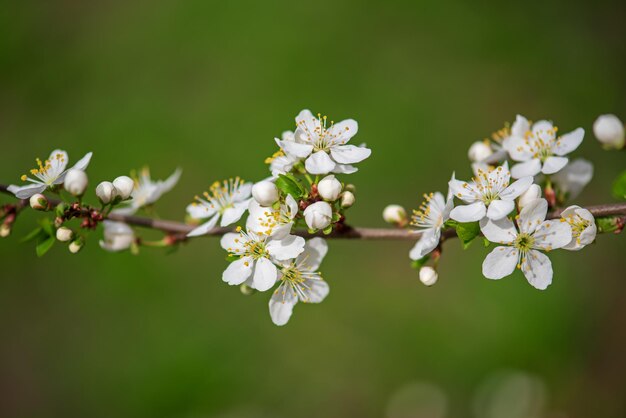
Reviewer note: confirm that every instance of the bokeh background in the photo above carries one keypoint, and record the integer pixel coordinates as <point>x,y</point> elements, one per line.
<point>206,86</point>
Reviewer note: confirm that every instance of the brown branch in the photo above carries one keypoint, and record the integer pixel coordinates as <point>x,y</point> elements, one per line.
<point>394,234</point>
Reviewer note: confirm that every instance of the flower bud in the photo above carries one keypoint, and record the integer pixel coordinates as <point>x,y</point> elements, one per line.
<point>75,182</point>
<point>38,202</point>
<point>395,214</point>
<point>265,193</point>
<point>428,275</point>
<point>347,199</point>
<point>5,230</point>
<point>533,192</point>
<point>64,234</point>
<point>76,245</point>
<point>479,151</point>
<point>610,131</point>
<point>318,215</point>
<point>124,186</point>
<point>329,188</point>
<point>105,192</point>
<point>247,290</point>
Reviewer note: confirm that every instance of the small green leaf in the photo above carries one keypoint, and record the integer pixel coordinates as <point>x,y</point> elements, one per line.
<point>37,233</point>
<point>46,225</point>
<point>467,231</point>
<point>619,186</point>
<point>288,184</point>
<point>417,264</point>
<point>607,224</point>
<point>44,246</point>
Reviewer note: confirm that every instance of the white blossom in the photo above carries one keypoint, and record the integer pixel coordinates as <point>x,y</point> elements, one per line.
<point>488,194</point>
<point>281,163</point>
<point>394,214</point>
<point>118,236</point>
<point>433,213</point>
<point>583,226</point>
<point>228,200</point>
<point>347,199</point>
<point>147,191</point>
<point>265,193</point>
<point>299,281</point>
<point>574,177</point>
<point>124,186</point>
<point>272,222</point>
<point>75,182</point>
<point>105,191</point>
<point>329,188</point>
<point>479,151</point>
<point>64,234</point>
<point>323,147</point>
<point>533,192</point>
<point>258,255</point>
<point>48,174</point>
<point>522,245</point>
<point>428,275</point>
<point>538,149</point>
<point>318,215</point>
<point>38,202</point>
<point>610,131</point>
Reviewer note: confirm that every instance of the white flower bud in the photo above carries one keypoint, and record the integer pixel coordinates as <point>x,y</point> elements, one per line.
<point>428,275</point>
<point>609,130</point>
<point>76,245</point>
<point>75,182</point>
<point>479,151</point>
<point>64,234</point>
<point>533,192</point>
<point>265,193</point>
<point>347,199</point>
<point>394,214</point>
<point>105,192</point>
<point>124,186</point>
<point>329,188</point>
<point>318,215</point>
<point>38,202</point>
<point>118,236</point>
<point>5,230</point>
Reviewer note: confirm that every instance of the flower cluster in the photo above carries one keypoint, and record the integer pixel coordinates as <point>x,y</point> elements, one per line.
<point>509,213</point>
<point>264,253</point>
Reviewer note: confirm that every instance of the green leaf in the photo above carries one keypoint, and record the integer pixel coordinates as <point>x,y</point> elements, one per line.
<point>619,186</point>
<point>44,246</point>
<point>290,185</point>
<point>467,231</point>
<point>47,227</point>
<point>607,224</point>
<point>417,264</point>
<point>37,233</point>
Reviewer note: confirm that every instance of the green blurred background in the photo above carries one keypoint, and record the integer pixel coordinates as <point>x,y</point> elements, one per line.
<point>206,86</point>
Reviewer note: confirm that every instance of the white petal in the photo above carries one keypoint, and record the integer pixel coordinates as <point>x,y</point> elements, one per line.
<point>345,129</point>
<point>315,290</point>
<point>200,210</point>
<point>314,252</point>
<point>502,231</point>
<point>520,126</point>
<point>349,154</point>
<point>543,130</point>
<point>517,148</point>
<point>286,248</point>
<point>574,177</point>
<point>295,149</point>
<point>552,234</point>
<point>169,183</point>
<point>205,227</point>
<point>243,192</point>
<point>238,271</point>
<point>307,124</point>
<point>532,215</point>
<point>281,305</point>
<point>83,162</point>
<point>500,262</point>
<point>265,274</point>
<point>517,188</point>
<point>463,190</point>
<point>499,209</point>
<point>427,242</point>
<point>469,213</point>
<point>232,215</point>
<point>569,142</point>
<point>344,169</point>
<point>528,168</point>
<point>232,242</point>
<point>553,164</point>
<point>319,163</point>
<point>537,268</point>
<point>58,162</point>
<point>25,192</point>
<point>292,205</point>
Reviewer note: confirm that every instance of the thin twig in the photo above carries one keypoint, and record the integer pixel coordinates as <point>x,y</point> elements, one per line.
<point>392,234</point>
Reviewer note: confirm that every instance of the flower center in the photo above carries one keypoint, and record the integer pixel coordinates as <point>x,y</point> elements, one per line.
<point>524,242</point>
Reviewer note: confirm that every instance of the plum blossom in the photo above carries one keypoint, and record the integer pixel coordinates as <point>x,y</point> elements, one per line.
<point>228,200</point>
<point>48,173</point>
<point>522,245</point>
<point>281,163</point>
<point>118,236</point>
<point>583,226</point>
<point>429,220</point>
<point>300,281</point>
<point>538,149</point>
<point>488,194</point>
<point>258,255</point>
<point>272,222</point>
<point>323,147</point>
<point>147,191</point>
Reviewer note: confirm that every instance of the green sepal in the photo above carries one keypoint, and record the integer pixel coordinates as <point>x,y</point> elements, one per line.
<point>486,242</point>
<point>417,264</point>
<point>328,229</point>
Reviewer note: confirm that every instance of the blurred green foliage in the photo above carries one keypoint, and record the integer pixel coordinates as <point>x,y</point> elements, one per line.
<point>206,86</point>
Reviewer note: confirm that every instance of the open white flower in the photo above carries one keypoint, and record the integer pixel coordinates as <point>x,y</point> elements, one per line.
<point>300,280</point>
<point>118,236</point>
<point>281,163</point>
<point>147,191</point>
<point>522,244</point>
<point>539,150</point>
<point>583,226</point>
<point>272,222</point>
<point>574,177</point>
<point>257,254</point>
<point>488,194</point>
<point>49,173</point>
<point>429,220</point>
<point>228,200</point>
<point>324,148</point>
